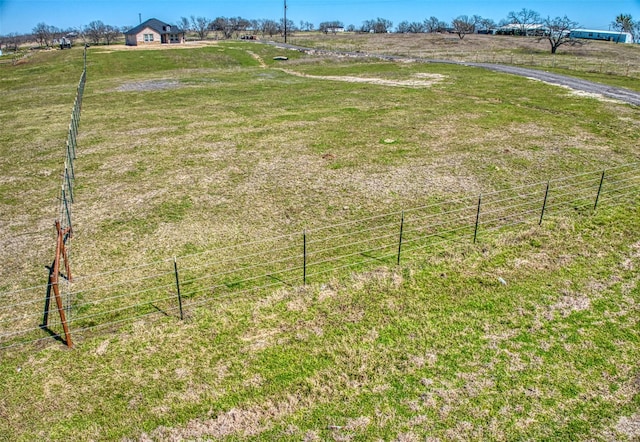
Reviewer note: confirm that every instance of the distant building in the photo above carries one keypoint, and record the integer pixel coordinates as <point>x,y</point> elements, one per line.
<point>334,29</point>
<point>153,31</point>
<point>531,29</point>
<point>595,34</point>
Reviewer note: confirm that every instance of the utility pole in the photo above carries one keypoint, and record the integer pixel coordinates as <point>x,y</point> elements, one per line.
<point>140,17</point>
<point>285,21</point>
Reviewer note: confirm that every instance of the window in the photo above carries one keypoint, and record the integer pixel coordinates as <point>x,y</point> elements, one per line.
<point>148,37</point>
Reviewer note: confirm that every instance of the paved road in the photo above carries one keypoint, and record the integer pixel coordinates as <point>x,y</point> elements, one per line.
<point>616,93</point>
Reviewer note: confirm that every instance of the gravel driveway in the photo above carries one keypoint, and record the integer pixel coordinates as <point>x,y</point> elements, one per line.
<point>617,93</point>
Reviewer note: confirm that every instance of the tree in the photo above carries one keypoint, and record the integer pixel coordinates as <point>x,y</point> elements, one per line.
<point>558,32</point>
<point>330,26</point>
<point>184,24</point>
<point>14,41</point>
<point>306,26</point>
<point>524,19</point>
<point>486,24</point>
<point>95,31</point>
<point>111,33</point>
<point>377,26</point>
<point>463,25</point>
<point>44,34</point>
<point>268,27</point>
<point>625,23</point>
<point>291,26</point>
<point>406,27</point>
<point>432,24</point>
<point>201,26</point>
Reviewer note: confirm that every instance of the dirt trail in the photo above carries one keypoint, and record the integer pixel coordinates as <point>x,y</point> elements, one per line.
<point>258,58</point>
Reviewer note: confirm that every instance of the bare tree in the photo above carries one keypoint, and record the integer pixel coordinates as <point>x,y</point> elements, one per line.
<point>432,24</point>
<point>111,33</point>
<point>184,24</point>
<point>268,27</point>
<point>463,25</point>
<point>306,26</point>
<point>239,25</point>
<point>524,19</point>
<point>291,26</point>
<point>558,32</point>
<point>230,26</point>
<point>95,31</point>
<point>486,24</point>
<point>406,27</point>
<point>42,33</point>
<point>201,26</point>
<point>14,41</point>
<point>377,26</point>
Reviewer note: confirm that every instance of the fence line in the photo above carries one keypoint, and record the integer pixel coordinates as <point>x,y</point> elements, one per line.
<point>126,294</point>
<point>63,224</point>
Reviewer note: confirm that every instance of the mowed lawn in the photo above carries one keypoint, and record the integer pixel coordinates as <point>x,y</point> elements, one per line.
<point>184,150</point>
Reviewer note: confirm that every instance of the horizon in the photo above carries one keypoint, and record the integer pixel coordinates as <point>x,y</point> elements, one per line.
<point>21,16</point>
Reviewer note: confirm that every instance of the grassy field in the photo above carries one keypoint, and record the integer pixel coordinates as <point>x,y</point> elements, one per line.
<point>606,62</point>
<point>184,150</point>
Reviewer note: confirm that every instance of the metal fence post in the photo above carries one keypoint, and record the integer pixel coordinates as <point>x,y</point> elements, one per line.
<point>304,257</point>
<point>400,239</point>
<point>175,269</point>
<point>599,190</point>
<point>70,160</point>
<point>544,204</point>
<point>475,232</point>
<point>67,179</point>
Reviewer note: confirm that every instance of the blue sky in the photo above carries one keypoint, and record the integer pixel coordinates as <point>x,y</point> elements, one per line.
<point>22,15</point>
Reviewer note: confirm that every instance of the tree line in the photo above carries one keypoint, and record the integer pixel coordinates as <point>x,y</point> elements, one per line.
<point>555,30</point>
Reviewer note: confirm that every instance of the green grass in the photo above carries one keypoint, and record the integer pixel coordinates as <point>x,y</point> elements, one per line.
<point>436,348</point>
<point>184,150</point>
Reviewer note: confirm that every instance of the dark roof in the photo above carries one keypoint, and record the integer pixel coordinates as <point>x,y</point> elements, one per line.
<point>156,25</point>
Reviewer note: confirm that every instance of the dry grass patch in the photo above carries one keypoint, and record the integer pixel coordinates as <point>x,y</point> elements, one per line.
<point>421,80</point>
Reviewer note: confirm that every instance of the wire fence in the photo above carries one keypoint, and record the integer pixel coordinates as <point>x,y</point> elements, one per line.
<point>68,177</point>
<point>177,286</point>
<point>64,225</point>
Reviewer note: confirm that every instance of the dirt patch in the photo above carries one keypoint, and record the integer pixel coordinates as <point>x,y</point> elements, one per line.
<point>568,304</point>
<point>149,85</point>
<point>153,47</point>
<point>258,58</point>
<point>578,93</point>
<point>421,80</point>
<point>629,426</point>
<point>245,422</point>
